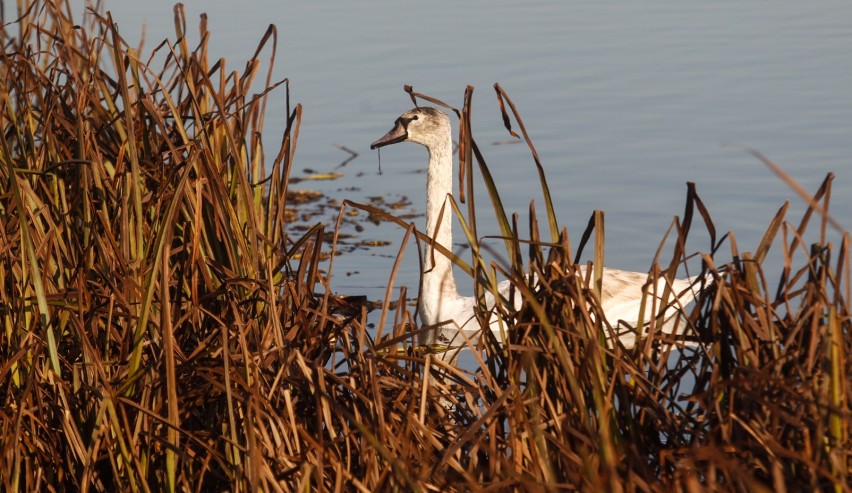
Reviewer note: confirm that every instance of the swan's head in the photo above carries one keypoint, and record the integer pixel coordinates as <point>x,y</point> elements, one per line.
<point>425,126</point>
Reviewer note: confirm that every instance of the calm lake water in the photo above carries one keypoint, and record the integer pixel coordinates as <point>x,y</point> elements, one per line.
<point>626,102</point>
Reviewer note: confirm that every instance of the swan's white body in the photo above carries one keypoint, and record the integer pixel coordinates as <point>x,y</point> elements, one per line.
<point>440,304</point>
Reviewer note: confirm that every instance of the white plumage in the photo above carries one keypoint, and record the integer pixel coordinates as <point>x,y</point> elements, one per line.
<point>440,302</point>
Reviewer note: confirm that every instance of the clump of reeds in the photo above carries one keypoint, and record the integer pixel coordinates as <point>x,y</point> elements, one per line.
<point>161,329</point>
<point>758,399</point>
<point>151,315</point>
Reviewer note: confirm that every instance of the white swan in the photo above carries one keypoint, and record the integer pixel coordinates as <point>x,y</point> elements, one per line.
<point>440,303</point>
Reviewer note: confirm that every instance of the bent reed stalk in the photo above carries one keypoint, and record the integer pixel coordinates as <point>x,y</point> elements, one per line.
<point>162,328</point>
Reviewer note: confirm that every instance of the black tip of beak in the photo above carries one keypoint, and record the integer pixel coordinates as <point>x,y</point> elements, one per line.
<point>398,134</point>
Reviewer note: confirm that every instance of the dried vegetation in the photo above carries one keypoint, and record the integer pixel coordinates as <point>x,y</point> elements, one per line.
<point>163,329</point>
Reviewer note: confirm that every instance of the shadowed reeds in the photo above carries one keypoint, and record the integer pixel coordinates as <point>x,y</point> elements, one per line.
<point>163,329</point>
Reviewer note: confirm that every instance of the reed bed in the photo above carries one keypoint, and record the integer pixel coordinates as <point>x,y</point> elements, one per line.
<point>163,329</point>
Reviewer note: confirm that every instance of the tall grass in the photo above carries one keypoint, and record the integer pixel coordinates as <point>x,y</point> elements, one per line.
<point>162,330</point>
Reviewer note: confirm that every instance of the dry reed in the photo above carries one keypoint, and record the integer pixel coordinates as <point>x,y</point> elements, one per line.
<point>162,330</point>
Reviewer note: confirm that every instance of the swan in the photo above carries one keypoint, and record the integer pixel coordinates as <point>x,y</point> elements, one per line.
<point>440,305</point>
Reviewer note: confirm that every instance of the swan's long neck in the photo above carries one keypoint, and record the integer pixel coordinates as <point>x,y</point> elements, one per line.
<point>438,281</point>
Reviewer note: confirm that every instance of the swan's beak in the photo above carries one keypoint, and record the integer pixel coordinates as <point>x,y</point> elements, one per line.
<point>398,134</point>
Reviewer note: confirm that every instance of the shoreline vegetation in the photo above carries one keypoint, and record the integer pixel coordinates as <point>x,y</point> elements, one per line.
<point>163,329</point>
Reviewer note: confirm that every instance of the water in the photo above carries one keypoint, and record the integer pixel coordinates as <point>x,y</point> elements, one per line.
<point>625,101</point>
